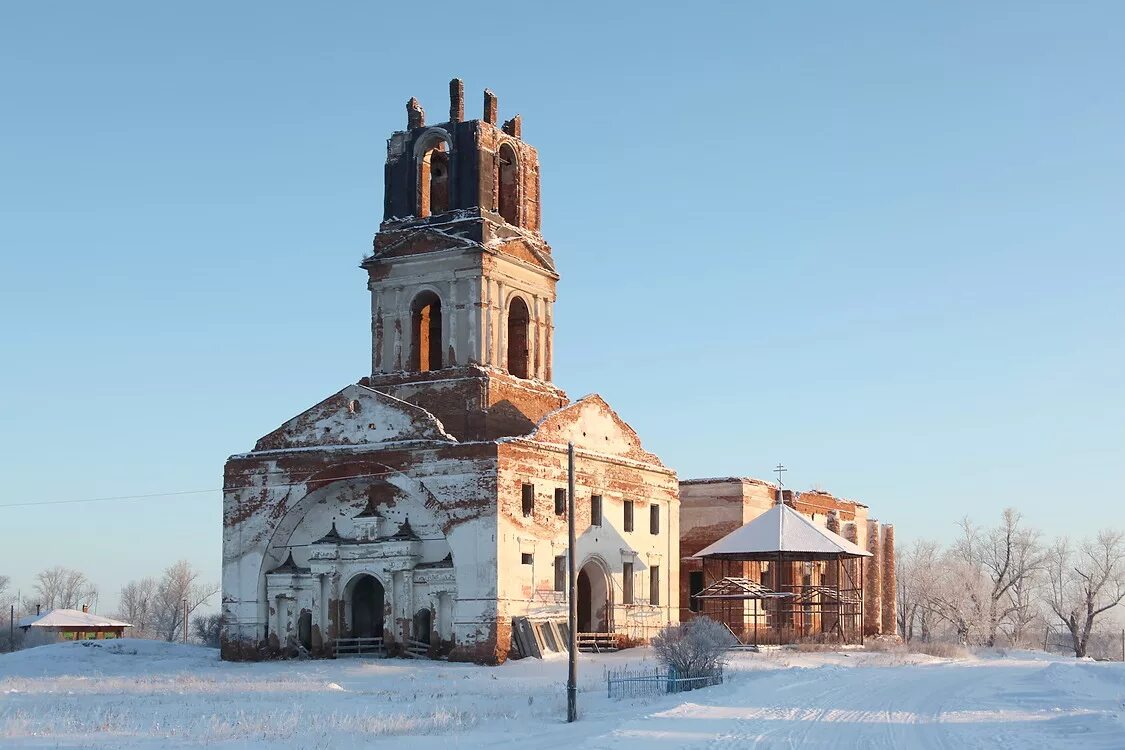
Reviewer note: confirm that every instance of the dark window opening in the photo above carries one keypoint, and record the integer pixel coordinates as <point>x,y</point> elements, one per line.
<point>528,499</point>
<point>595,510</point>
<point>508,179</point>
<point>560,573</point>
<point>560,501</point>
<point>627,583</point>
<point>425,329</point>
<point>519,320</point>
<point>628,515</point>
<point>654,584</point>
<point>526,558</point>
<point>433,180</point>
<point>654,519</point>
<point>695,585</point>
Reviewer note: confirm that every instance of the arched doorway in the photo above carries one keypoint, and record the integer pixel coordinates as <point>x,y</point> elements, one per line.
<point>519,319</point>
<point>422,626</point>
<point>367,607</point>
<point>593,599</point>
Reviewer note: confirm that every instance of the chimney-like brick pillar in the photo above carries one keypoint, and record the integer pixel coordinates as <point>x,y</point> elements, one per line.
<point>514,127</point>
<point>456,100</point>
<point>415,115</point>
<point>873,583</point>
<point>490,107</point>
<point>890,592</point>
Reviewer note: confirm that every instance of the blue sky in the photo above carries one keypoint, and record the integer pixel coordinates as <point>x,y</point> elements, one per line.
<point>879,243</point>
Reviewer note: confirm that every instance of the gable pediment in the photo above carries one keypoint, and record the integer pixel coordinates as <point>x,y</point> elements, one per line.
<point>593,426</point>
<point>357,415</point>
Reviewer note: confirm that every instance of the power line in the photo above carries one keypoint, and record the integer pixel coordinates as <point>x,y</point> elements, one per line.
<point>35,503</point>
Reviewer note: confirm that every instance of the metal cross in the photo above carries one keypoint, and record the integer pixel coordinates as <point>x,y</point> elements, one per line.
<point>779,471</point>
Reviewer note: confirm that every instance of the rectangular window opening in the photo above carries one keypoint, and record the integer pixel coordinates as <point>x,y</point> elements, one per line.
<point>560,573</point>
<point>628,515</point>
<point>528,499</point>
<point>560,501</point>
<point>654,584</point>
<point>654,519</point>
<point>595,510</point>
<point>627,583</point>
<point>526,558</point>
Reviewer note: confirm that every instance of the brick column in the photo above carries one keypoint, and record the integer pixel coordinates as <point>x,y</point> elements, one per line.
<point>890,593</point>
<point>873,582</point>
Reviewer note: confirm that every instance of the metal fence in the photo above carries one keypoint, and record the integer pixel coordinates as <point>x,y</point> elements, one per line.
<point>635,682</point>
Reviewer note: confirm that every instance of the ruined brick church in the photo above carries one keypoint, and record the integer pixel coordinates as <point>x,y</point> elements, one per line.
<point>424,507</point>
<point>422,510</point>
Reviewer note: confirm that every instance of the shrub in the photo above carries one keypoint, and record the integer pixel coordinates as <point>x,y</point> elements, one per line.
<point>693,648</point>
<point>207,629</point>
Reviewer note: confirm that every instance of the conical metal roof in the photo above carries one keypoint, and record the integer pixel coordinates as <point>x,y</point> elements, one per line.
<point>781,530</point>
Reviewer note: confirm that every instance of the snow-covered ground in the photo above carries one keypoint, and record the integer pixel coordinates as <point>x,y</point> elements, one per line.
<point>143,694</point>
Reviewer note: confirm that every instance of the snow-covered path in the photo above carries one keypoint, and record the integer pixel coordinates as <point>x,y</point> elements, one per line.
<point>141,694</point>
<point>1024,702</point>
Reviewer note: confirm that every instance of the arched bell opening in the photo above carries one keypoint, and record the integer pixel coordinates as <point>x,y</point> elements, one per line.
<point>433,175</point>
<point>519,353</point>
<point>508,188</point>
<point>425,332</point>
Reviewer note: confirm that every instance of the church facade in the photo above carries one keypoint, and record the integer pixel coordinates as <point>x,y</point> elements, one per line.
<point>423,508</point>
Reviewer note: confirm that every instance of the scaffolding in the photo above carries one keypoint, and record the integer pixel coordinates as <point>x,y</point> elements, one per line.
<point>782,579</point>
<point>811,600</point>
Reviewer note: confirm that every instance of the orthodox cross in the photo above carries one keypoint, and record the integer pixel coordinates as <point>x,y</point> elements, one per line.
<point>779,469</point>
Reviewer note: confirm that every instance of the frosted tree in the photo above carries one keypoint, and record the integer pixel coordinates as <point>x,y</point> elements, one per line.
<point>916,569</point>
<point>64,588</point>
<point>1085,583</point>
<point>138,607</point>
<point>999,562</point>
<point>179,589</point>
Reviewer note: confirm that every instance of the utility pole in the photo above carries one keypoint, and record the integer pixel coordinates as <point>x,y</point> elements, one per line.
<point>12,630</point>
<point>185,620</point>
<point>572,591</point>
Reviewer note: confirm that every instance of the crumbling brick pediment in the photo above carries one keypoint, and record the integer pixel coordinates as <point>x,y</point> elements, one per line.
<point>592,425</point>
<point>357,415</point>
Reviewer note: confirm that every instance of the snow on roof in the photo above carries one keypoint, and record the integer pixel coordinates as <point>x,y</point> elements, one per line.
<point>781,529</point>
<point>70,618</point>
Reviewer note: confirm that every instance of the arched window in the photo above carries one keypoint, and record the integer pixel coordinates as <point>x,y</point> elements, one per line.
<point>425,332</point>
<point>433,177</point>
<point>509,184</point>
<point>518,323</point>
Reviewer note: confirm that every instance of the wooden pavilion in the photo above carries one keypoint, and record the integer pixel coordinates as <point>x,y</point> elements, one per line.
<point>72,625</point>
<point>782,579</point>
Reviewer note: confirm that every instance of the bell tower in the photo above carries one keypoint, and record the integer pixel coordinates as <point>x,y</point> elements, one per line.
<point>462,282</point>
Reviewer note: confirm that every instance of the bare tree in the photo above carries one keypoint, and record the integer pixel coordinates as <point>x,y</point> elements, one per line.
<point>1085,583</point>
<point>178,587</point>
<point>998,560</point>
<point>138,607</point>
<point>915,576</point>
<point>64,588</point>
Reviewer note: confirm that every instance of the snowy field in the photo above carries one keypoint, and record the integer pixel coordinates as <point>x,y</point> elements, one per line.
<point>142,694</point>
